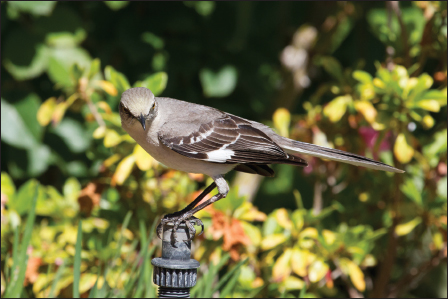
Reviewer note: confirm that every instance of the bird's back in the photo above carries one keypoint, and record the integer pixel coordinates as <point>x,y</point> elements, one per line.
<point>175,113</point>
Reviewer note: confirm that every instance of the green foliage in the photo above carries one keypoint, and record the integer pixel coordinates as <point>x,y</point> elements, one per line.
<point>80,199</point>
<point>219,84</point>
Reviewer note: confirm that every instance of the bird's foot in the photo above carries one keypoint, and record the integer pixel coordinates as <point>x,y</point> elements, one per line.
<point>177,219</point>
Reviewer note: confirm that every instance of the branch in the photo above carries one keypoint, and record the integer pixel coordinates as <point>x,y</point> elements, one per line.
<point>415,275</point>
<point>82,87</point>
<point>395,6</point>
<point>383,278</point>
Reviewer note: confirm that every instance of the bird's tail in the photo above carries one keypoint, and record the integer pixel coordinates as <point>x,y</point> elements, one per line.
<point>294,146</point>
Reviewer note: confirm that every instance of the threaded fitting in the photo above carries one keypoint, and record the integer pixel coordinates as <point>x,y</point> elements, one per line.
<point>175,272</point>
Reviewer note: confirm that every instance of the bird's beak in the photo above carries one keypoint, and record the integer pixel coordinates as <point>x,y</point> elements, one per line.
<point>143,121</point>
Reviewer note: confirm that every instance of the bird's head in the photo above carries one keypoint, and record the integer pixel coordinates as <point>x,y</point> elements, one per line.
<point>137,105</point>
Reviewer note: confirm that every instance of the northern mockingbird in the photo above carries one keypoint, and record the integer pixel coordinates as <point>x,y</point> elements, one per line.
<point>200,139</point>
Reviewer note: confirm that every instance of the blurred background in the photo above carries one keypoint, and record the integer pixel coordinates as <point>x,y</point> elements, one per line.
<point>79,198</point>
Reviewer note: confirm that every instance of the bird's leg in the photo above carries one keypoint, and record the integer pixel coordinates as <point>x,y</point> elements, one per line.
<point>172,217</point>
<point>223,189</point>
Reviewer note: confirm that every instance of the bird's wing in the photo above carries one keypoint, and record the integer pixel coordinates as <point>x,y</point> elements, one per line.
<point>233,140</point>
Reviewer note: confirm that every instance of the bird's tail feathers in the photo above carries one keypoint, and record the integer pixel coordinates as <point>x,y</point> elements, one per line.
<point>333,154</point>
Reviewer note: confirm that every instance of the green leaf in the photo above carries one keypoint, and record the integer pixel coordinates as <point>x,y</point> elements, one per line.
<point>424,82</point>
<point>58,73</point>
<point>441,187</point>
<point>156,83</point>
<point>436,95</point>
<point>389,31</point>
<point>411,191</point>
<point>232,202</point>
<point>8,187</point>
<point>37,8</point>
<point>220,83</point>
<point>77,262</point>
<point>203,8</point>
<point>362,76</point>
<point>14,129</point>
<point>39,158</point>
<point>73,134</point>
<point>95,68</point>
<point>232,273</point>
<point>116,5</point>
<point>24,196</point>
<point>66,39</point>
<point>56,279</point>
<point>15,286</point>
<point>119,80</point>
<point>71,189</point>
<point>32,69</point>
<point>62,60</point>
<point>153,40</point>
<point>271,226</point>
<point>435,148</point>
<point>27,108</point>
<point>333,67</point>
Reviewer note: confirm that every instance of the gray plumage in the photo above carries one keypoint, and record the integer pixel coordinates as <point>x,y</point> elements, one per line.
<point>207,134</point>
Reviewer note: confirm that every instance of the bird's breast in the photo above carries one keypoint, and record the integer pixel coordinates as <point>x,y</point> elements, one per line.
<point>151,144</point>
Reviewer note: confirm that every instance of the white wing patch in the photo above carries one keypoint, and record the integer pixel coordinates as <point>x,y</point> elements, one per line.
<point>220,156</point>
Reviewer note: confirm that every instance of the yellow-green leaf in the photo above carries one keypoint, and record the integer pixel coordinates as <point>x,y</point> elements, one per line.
<point>252,232</point>
<point>329,236</point>
<point>58,112</point>
<point>105,106</point>
<point>437,95</point>
<point>367,110</point>
<point>249,213</point>
<point>402,149</point>
<point>297,218</point>
<point>107,87</point>
<point>282,266</point>
<point>410,84</point>
<point>317,270</point>
<point>8,187</point>
<point>123,170</point>
<point>337,108</point>
<point>282,119</point>
<point>299,261</point>
<point>362,76</point>
<point>112,138</point>
<point>356,275</point>
<point>86,282</point>
<point>111,160</point>
<point>143,160</point>
<point>283,218</point>
<point>405,228</point>
<point>378,83</point>
<point>429,105</point>
<point>428,121</point>
<point>307,237</point>
<point>293,283</point>
<point>272,240</point>
<point>46,111</point>
<point>99,132</point>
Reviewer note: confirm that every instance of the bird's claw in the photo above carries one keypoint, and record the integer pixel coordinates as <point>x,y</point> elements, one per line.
<point>189,221</point>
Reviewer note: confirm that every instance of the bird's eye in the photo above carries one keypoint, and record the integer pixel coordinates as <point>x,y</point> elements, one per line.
<point>153,106</point>
<point>125,109</point>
